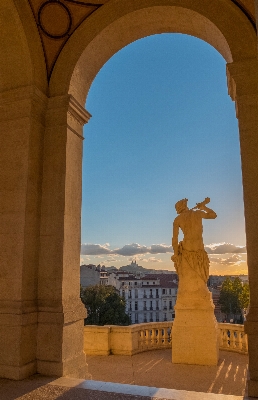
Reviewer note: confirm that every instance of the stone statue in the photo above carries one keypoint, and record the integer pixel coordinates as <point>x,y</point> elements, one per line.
<point>190,258</point>
<point>195,329</point>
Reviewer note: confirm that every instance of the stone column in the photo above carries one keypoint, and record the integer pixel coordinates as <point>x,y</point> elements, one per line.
<point>61,312</point>
<point>243,88</point>
<point>22,118</point>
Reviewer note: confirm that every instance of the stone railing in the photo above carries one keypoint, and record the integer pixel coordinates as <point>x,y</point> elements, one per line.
<point>127,340</point>
<point>133,339</point>
<point>233,338</point>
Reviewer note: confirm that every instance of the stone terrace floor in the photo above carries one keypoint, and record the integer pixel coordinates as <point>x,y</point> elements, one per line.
<point>153,369</point>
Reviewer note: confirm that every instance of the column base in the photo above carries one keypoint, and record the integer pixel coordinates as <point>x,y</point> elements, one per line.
<point>18,335</point>
<point>18,373</point>
<point>60,343</point>
<point>252,388</point>
<point>195,337</point>
<point>74,368</point>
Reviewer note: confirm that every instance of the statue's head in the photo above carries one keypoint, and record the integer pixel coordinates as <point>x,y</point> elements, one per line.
<point>181,205</point>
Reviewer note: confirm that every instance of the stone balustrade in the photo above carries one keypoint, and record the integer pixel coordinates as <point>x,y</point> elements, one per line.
<point>233,338</point>
<point>133,339</point>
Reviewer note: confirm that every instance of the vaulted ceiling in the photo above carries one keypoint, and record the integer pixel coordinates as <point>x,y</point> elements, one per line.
<point>58,19</point>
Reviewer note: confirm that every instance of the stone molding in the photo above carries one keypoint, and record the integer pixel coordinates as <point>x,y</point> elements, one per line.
<point>242,78</point>
<point>26,101</point>
<point>67,111</point>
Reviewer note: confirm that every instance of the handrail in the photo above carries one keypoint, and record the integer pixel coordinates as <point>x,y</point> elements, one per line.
<point>133,339</point>
<point>233,338</point>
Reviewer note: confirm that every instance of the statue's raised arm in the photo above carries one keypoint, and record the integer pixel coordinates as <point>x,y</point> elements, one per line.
<point>190,222</point>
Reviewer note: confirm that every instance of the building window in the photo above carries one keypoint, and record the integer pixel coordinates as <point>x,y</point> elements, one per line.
<point>135,283</point>
<point>169,291</point>
<point>157,305</point>
<point>130,306</point>
<point>136,318</point>
<point>151,293</point>
<point>144,305</point>
<point>145,317</point>
<point>123,293</point>
<point>170,305</point>
<point>147,283</point>
<point>136,293</point>
<point>144,293</point>
<point>151,318</point>
<point>123,283</point>
<point>165,316</point>
<point>163,291</point>
<point>151,308</point>
<point>130,294</point>
<point>157,317</point>
<point>164,305</point>
<point>136,306</point>
<point>157,292</point>
<point>153,283</point>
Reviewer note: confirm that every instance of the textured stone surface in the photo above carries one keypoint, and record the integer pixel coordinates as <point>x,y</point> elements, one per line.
<point>40,160</point>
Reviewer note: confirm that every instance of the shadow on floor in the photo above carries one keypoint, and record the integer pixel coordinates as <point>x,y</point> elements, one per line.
<point>154,368</point>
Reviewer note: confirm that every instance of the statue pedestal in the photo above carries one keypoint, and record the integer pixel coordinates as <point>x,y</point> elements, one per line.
<point>195,335</point>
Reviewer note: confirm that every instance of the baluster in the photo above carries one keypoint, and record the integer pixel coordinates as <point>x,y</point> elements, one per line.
<point>233,335</point>
<point>244,343</point>
<point>238,340</point>
<point>146,338</point>
<point>151,338</point>
<point>221,336</point>
<point>140,339</point>
<point>225,338</point>
<point>159,337</point>
<point>156,337</point>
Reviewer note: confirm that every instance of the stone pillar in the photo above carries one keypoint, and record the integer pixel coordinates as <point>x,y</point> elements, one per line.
<point>22,117</point>
<point>60,311</point>
<point>243,88</point>
<point>195,329</point>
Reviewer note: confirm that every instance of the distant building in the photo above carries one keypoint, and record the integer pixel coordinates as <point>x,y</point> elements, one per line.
<point>89,275</point>
<point>149,298</point>
<point>103,276</point>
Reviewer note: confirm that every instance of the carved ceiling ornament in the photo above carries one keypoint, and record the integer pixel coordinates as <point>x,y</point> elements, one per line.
<point>58,19</point>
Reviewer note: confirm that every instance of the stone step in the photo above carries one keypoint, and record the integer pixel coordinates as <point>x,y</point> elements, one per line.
<point>109,391</point>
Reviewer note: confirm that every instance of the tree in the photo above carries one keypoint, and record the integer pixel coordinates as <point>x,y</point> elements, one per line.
<point>234,297</point>
<point>104,306</point>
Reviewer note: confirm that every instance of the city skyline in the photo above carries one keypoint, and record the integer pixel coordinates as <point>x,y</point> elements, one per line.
<point>163,128</point>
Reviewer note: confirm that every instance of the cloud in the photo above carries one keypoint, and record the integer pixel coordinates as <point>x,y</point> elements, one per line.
<point>111,259</point>
<point>160,248</point>
<point>95,249</point>
<point>83,259</point>
<point>134,249</point>
<point>232,260</point>
<point>224,248</point>
<point>131,250</point>
<point>153,259</point>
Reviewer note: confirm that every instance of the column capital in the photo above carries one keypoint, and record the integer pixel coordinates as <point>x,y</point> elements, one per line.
<point>242,78</point>
<point>60,105</point>
<point>67,111</point>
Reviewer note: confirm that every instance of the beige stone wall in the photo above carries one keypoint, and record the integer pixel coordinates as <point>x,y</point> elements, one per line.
<point>40,165</point>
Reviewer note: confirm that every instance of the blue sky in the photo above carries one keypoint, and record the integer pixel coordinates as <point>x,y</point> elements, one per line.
<point>163,128</point>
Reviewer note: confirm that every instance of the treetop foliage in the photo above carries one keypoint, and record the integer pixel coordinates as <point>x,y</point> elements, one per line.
<point>104,306</point>
<point>234,296</point>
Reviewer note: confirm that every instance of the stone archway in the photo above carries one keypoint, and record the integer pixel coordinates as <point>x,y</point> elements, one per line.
<point>114,26</point>
<point>47,318</point>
